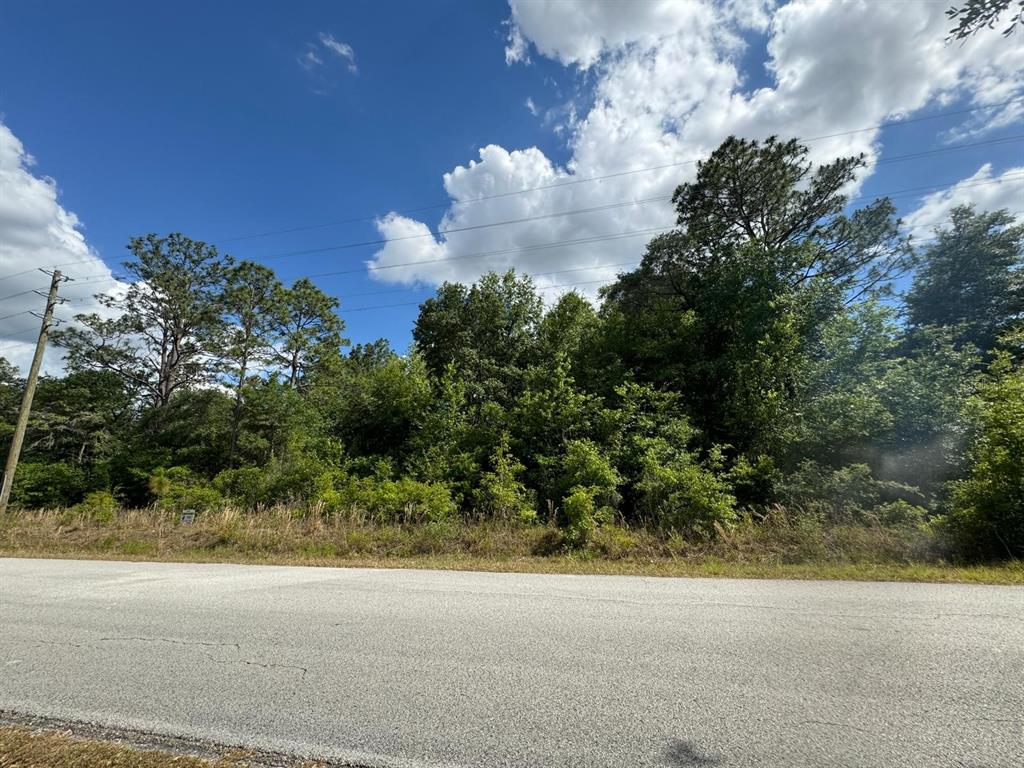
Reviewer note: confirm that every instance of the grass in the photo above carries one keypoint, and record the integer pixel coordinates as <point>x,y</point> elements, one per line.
<point>33,747</point>
<point>777,547</point>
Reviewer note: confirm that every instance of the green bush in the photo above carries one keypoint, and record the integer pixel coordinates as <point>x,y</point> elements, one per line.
<point>583,464</point>
<point>98,506</point>
<point>245,486</point>
<point>386,501</point>
<point>987,519</point>
<point>40,485</point>
<point>849,494</point>
<point>901,514</point>
<point>583,514</point>
<point>682,495</point>
<point>407,501</point>
<point>500,495</point>
<point>177,489</point>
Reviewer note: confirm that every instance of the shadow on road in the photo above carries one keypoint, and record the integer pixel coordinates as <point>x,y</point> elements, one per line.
<point>682,754</point>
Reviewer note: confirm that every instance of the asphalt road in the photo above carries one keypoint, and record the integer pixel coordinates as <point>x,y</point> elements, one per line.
<point>427,668</point>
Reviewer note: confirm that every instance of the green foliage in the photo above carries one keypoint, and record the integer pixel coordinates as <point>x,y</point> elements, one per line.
<point>486,331</point>
<point>41,485</point>
<point>971,279</point>
<point>584,464</point>
<point>308,329</point>
<point>849,494</point>
<point>680,494</point>
<point>387,501</point>
<point>988,505</point>
<point>98,506</point>
<point>755,360</point>
<point>172,303</point>
<point>583,515</point>
<point>178,489</point>
<point>499,494</point>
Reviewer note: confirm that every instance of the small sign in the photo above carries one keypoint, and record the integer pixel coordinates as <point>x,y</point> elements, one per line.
<point>188,516</point>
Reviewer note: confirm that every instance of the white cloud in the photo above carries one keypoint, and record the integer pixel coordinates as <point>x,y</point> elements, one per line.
<point>531,106</point>
<point>37,232</point>
<point>341,50</point>
<point>314,59</point>
<point>987,190</point>
<point>667,88</point>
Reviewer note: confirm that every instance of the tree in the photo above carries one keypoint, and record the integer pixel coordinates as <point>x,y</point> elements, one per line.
<point>727,308</point>
<point>988,504</point>
<point>10,398</point>
<point>254,304</point>
<point>975,15</point>
<point>488,331</point>
<point>971,279</point>
<point>308,329</point>
<point>168,323</point>
<point>82,417</point>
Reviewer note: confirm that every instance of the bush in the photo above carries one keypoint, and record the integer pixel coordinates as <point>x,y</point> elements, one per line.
<point>583,464</point>
<point>582,515</point>
<point>850,494</point>
<point>500,495</point>
<point>245,487</point>
<point>987,519</point>
<point>98,506</point>
<point>177,489</point>
<point>386,501</point>
<point>406,500</point>
<point>39,485</point>
<point>682,495</point>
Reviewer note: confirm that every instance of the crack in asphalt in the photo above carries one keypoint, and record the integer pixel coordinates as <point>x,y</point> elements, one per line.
<point>169,640</point>
<point>263,664</point>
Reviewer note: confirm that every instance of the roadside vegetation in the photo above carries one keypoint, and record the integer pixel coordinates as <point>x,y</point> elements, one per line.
<point>786,381</point>
<point>32,747</point>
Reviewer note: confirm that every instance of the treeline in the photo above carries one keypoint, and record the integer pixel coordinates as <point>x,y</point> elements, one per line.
<point>760,357</point>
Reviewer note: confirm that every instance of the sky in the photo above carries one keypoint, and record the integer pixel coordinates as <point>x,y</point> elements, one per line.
<point>335,140</point>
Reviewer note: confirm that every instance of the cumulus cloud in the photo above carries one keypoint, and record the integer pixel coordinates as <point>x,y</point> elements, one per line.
<point>667,88</point>
<point>987,190</point>
<point>37,231</point>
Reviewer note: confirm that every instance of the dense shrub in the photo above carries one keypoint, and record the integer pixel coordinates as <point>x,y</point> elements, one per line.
<point>988,505</point>
<point>178,489</point>
<point>98,506</point>
<point>849,494</point>
<point>581,515</point>
<point>500,495</point>
<point>682,495</point>
<point>40,485</point>
<point>386,501</point>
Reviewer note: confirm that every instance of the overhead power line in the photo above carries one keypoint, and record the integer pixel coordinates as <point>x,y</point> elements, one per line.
<point>882,161</point>
<point>594,209</point>
<point>616,174</point>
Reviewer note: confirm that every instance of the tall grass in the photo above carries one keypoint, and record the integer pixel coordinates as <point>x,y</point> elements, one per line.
<point>302,534</point>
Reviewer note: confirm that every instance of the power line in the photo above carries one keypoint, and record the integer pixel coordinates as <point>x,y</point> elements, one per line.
<point>381,241</point>
<point>23,293</point>
<point>15,314</point>
<point>617,174</point>
<point>594,209</point>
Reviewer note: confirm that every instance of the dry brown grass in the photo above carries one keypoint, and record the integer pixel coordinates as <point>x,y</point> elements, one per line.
<point>778,547</point>
<point>23,747</point>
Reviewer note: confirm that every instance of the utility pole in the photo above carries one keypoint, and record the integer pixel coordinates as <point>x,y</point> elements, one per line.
<point>30,390</point>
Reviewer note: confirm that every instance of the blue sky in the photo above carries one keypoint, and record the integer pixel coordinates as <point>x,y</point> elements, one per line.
<point>230,119</point>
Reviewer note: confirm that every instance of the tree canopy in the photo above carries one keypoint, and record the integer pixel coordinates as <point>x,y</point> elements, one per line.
<point>761,357</point>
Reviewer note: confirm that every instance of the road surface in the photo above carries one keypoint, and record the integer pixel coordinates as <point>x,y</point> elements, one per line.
<point>429,668</point>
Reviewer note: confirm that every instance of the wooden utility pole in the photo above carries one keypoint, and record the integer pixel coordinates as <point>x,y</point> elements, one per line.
<point>30,390</point>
